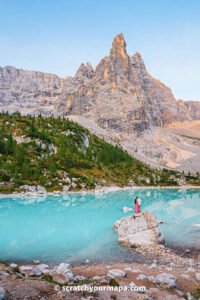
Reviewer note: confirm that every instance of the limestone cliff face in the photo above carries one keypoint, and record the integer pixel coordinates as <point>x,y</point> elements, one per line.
<point>29,92</point>
<point>119,94</point>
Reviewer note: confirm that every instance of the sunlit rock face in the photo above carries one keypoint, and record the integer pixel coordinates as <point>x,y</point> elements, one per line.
<point>189,110</point>
<point>138,230</point>
<point>119,94</point>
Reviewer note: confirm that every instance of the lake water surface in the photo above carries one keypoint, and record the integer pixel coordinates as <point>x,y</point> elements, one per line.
<point>75,227</point>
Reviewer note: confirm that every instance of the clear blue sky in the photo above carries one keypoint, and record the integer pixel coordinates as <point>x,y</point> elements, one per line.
<point>57,35</point>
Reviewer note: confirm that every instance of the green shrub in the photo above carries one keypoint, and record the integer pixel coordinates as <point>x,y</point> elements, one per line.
<point>113,282</point>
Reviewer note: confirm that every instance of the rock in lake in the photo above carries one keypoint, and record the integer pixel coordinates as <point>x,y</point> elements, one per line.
<point>35,261</point>
<point>138,230</point>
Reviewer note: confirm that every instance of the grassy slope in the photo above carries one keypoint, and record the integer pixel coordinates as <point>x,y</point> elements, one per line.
<point>50,150</point>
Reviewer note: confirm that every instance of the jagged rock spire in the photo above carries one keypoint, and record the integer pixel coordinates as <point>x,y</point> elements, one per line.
<point>138,62</point>
<point>119,47</point>
<point>85,70</point>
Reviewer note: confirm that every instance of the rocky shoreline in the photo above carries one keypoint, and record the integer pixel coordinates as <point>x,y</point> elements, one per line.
<point>168,276</point>
<point>98,190</point>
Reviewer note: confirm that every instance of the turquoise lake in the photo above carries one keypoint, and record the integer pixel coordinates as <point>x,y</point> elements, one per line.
<point>76,227</point>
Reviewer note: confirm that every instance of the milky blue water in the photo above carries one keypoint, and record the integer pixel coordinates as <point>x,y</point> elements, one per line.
<point>76,227</point>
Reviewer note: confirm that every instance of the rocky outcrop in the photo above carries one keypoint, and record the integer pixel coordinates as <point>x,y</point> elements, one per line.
<point>33,189</point>
<point>64,270</point>
<point>164,280</point>
<point>84,72</point>
<point>138,230</point>
<point>189,110</point>
<point>120,94</point>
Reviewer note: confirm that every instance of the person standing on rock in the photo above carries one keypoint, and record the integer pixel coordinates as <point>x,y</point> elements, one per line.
<point>139,202</point>
<point>137,205</point>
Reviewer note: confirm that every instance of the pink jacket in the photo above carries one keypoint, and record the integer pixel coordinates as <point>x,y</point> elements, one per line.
<point>137,208</point>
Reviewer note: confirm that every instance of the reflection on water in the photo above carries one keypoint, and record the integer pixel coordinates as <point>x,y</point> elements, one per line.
<point>79,226</point>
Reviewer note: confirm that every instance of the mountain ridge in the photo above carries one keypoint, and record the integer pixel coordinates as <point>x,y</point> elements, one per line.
<point>119,78</point>
<point>119,96</point>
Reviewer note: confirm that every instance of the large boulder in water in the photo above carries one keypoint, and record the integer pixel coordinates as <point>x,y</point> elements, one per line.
<point>138,230</point>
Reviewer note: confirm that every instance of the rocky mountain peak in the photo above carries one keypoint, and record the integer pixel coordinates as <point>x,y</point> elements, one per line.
<point>138,62</point>
<point>85,70</point>
<point>120,95</point>
<point>118,49</point>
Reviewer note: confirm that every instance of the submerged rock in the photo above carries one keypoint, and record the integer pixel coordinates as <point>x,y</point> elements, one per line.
<point>36,262</point>
<point>138,230</point>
